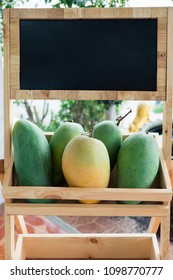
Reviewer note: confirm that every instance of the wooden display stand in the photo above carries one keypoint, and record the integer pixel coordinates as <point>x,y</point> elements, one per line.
<point>155,201</point>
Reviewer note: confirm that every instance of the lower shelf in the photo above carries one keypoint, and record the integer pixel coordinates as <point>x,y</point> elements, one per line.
<point>87,246</point>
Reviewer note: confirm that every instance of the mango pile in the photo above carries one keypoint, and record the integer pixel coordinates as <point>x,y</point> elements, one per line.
<point>75,159</point>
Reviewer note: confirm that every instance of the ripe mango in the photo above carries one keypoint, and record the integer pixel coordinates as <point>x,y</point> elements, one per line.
<point>63,134</point>
<point>86,164</point>
<point>137,162</point>
<point>110,134</point>
<point>32,156</point>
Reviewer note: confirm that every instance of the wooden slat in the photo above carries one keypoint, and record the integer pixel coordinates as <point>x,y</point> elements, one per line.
<point>67,193</point>
<point>1,171</point>
<point>9,220</point>
<point>37,13</point>
<point>77,209</point>
<point>7,103</point>
<point>167,133</point>
<point>152,12</point>
<point>9,236</point>
<point>19,253</point>
<point>164,174</point>
<point>155,252</point>
<point>167,112</point>
<point>8,174</point>
<point>165,236</point>
<point>86,95</point>
<point>89,13</point>
<point>15,53</point>
<point>162,55</point>
<point>165,180</point>
<point>1,165</point>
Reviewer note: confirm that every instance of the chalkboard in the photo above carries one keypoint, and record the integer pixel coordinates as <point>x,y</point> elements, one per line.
<point>88,54</point>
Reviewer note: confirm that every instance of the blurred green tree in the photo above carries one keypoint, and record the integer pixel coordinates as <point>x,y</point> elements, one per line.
<point>4,4</point>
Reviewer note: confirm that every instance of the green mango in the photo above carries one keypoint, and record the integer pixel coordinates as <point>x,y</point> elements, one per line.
<point>32,157</point>
<point>137,162</point>
<point>110,134</point>
<point>63,134</point>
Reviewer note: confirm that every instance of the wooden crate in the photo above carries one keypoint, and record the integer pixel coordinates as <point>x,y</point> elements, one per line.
<point>87,246</point>
<point>155,201</point>
<point>66,199</point>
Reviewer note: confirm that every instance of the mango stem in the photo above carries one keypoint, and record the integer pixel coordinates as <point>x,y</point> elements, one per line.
<point>120,118</point>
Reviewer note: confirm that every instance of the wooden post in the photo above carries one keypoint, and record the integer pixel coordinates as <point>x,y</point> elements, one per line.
<point>7,99</point>
<point>165,237</point>
<point>9,236</point>
<point>167,110</point>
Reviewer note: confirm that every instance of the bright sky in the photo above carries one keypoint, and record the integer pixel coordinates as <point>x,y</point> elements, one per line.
<point>132,3</point>
<point>150,3</point>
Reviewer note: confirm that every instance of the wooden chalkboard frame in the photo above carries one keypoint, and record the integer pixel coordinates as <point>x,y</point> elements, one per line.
<point>90,13</point>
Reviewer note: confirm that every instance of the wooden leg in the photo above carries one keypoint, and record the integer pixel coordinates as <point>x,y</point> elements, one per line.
<point>154,225</point>
<point>20,250</point>
<point>9,237</point>
<point>20,224</point>
<point>165,237</point>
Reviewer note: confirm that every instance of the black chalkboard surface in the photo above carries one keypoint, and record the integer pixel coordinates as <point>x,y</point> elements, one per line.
<point>88,54</point>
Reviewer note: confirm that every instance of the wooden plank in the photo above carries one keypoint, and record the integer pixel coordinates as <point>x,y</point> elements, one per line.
<point>89,246</point>
<point>164,174</point>
<point>7,103</point>
<point>162,55</point>
<point>86,95</point>
<point>8,174</point>
<point>155,252</point>
<point>9,220</point>
<point>9,236</point>
<point>1,165</point>
<point>89,13</point>
<point>167,135</point>
<point>1,171</point>
<point>151,12</point>
<point>37,13</point>
<point>167,112</point>
<point>78,209</point>
<point>15,53</point>
<point>19,253</point>
<point>71,193</point>
<point>162,42</point>
<point>165,236</point>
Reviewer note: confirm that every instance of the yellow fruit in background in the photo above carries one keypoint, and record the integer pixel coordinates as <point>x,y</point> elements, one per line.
<point>86,164</point>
